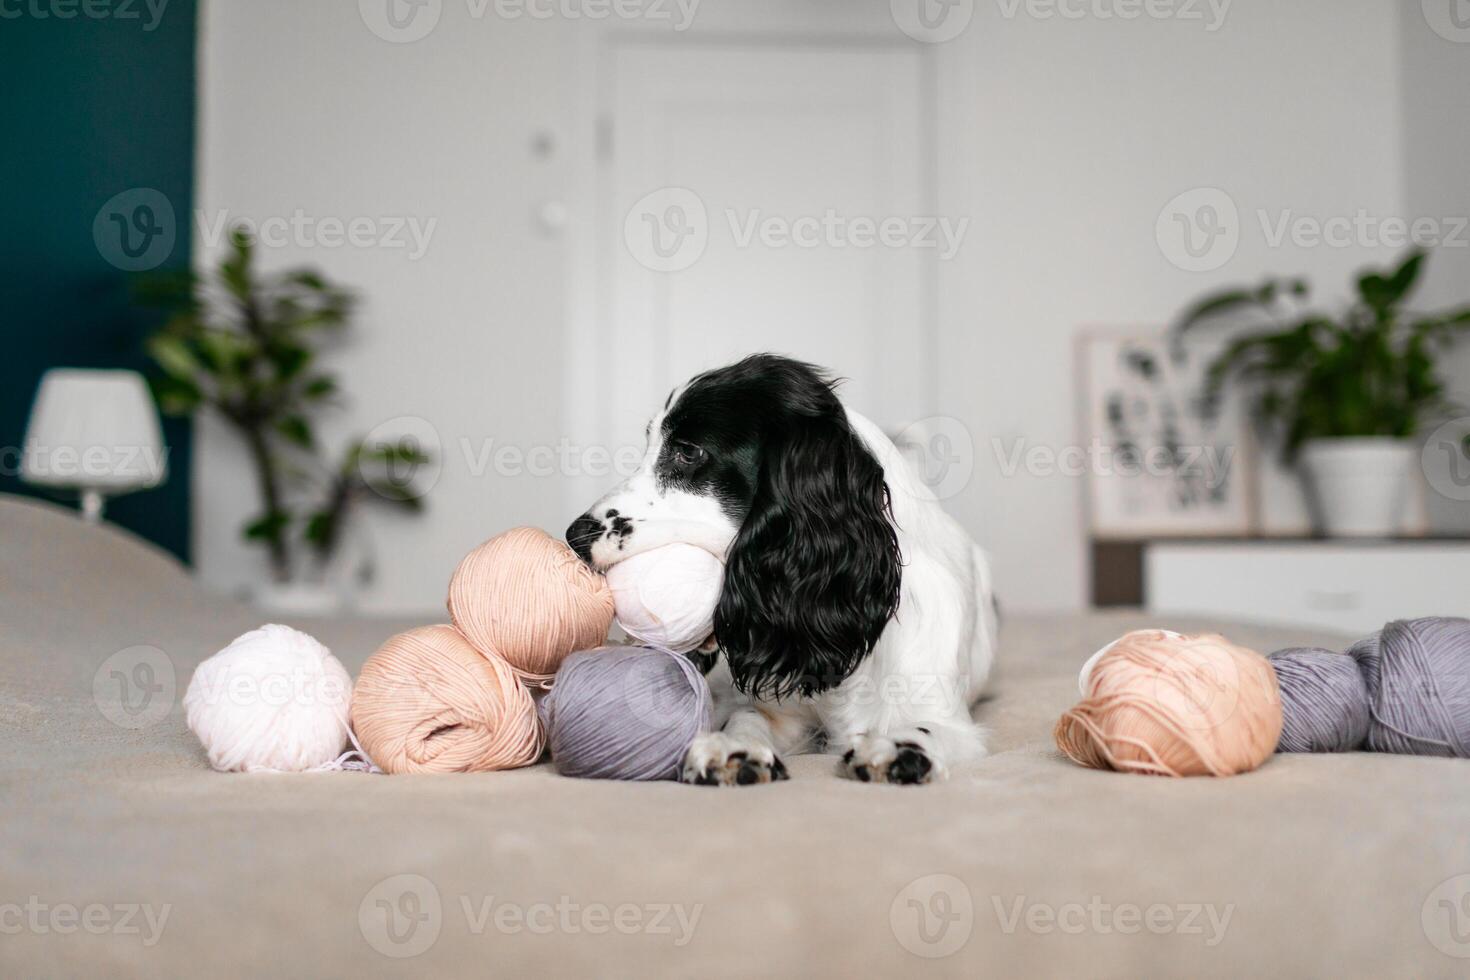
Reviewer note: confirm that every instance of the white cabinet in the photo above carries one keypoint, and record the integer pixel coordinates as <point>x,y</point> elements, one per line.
<point>1338,585</point>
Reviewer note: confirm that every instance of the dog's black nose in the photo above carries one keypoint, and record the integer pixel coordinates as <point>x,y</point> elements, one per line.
<point>582,534</point>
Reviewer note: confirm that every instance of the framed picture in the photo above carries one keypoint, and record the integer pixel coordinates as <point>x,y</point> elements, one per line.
<point>1163,459</point>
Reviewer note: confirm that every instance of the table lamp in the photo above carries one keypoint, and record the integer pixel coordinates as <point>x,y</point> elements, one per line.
<point>96,432</point>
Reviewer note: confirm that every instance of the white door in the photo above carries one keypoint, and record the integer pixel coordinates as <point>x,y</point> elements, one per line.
<point>765,198</point>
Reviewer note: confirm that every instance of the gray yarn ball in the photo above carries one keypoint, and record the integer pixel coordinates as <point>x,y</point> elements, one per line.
<point>1324,701</point>
<point>624,713</point>
<point>1418,676</point>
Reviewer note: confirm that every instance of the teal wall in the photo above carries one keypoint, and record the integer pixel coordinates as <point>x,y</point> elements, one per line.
<point>93,106</point>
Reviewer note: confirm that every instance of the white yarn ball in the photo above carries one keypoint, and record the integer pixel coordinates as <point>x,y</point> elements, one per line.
<point>666,597</point>
<point>274,699</point>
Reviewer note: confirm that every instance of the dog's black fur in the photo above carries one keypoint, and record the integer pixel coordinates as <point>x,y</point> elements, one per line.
<point>813,575</point>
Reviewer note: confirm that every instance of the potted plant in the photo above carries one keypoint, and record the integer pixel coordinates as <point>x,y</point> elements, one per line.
<point>1346,394</point>
<point>244,346</point>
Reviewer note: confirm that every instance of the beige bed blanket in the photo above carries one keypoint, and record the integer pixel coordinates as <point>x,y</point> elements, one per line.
<point>123,854</point>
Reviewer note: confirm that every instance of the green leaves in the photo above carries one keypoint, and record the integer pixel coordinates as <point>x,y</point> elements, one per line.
<point>234,271</point>
<point>322,386</point>
<point>1382,293</point>
<point>271,524</point>
<point>1366,373</point>
<point>245,344</point>
<point>296,430</point>
<point>174,356</point>
<point>176,396</point>
<point>380,473</point>
<point>1261,299</point>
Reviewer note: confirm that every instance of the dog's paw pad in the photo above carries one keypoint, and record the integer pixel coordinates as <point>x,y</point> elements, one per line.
<point>717,760</point>
<point>876,759</point>
<point>911,765</point>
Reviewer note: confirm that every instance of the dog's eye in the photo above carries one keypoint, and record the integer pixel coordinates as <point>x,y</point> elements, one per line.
<point>688,454</point>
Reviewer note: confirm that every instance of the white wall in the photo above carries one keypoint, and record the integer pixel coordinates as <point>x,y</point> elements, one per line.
<point>1436,164</point>
<point>1061,139</point>
<point>1069,137</point>
<point>302,107</point>
<point>1436,144</point>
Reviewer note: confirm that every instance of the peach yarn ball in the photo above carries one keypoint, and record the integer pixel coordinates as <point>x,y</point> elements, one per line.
<point>1172,705</point>
<point>428,701</point>
<point>529,598</point>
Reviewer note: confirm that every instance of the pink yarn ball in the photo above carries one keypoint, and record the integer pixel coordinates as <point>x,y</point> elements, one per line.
<point>527,596</point>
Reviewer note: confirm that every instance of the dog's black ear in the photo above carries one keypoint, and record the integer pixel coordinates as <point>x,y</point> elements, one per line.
<point>813,575</point>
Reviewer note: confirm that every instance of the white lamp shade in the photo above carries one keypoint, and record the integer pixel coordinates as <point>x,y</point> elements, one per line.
<point>94,430</point>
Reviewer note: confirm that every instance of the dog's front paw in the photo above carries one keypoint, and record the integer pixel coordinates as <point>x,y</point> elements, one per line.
<point>903,759</point>
<point>716,759</point>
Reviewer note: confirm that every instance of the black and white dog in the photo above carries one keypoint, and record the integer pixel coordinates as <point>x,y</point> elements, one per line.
<point>853,610</point>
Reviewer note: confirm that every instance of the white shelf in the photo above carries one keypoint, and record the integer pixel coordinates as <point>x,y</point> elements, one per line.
<point>1340,585</point>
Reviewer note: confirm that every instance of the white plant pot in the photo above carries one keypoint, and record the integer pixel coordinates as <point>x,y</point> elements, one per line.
<point>1359,487</point>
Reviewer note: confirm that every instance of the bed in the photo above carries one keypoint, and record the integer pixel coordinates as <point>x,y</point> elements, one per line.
<point>1025,864</point>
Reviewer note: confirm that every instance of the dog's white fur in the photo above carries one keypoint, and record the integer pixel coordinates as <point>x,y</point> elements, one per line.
<point>928,667</point>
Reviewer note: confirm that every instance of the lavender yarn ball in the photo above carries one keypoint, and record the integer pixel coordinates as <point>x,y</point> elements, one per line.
<point>624,713</point>
<point>1324,702</point>
<point>1417,672</point>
